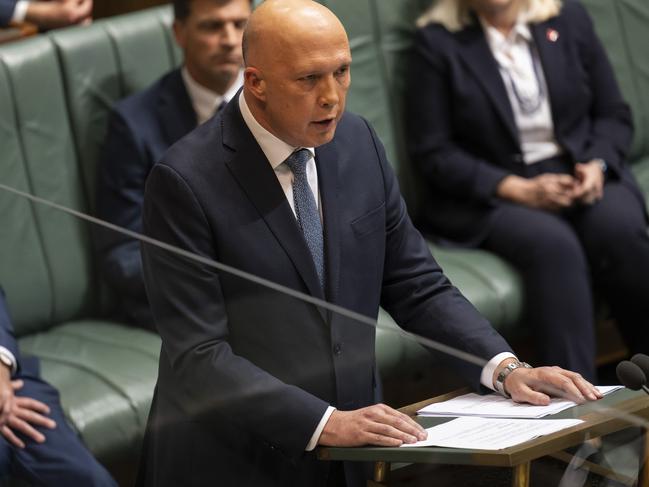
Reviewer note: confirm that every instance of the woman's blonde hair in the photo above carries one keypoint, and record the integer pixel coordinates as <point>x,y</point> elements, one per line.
<point>455,14</point>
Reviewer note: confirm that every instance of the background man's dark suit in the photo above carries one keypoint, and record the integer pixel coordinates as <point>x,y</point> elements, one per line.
<point>6,11</point>
<point>62,460</point>
<point>245,373</point>
<point>142,127</point>
<point>464,139</point>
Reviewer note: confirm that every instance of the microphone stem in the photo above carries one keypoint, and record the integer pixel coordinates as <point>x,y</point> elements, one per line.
<point>646,389</point>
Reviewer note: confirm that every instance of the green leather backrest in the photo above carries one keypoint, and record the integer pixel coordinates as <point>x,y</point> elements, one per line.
<point>141,44</point>
<point>623,27</point>
<point>90,69</point>
<point>379,34</point>
<point>100,67</point>
<point>52,172</point>
<point>56,92</point>
<point>369,95</point>
<point>166,17</point>
<point>23,267</point>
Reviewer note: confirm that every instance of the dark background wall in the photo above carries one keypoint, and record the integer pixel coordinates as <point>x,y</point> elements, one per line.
<point>107,8</point>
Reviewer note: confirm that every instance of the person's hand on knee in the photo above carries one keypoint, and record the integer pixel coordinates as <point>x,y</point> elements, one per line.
<point>26,414</point>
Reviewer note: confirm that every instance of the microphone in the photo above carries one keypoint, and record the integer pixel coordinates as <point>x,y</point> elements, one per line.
<point>642,361</point>
<point>631,376</point>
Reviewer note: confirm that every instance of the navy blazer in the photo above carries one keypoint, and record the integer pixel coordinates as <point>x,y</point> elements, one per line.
<point>7,338</point>
<point>461,127</point>
<point>246,373</point>
<point>6,11</point>
<point>28,366</point>
<point>141,128</point>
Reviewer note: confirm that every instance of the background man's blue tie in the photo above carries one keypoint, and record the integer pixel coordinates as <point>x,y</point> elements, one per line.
<point>306,209</point>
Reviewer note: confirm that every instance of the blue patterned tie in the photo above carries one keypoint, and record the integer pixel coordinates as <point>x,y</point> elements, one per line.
<point>306,209</point>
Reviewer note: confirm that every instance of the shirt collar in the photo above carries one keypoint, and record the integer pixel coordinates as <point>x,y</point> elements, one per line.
<point>275,149</point>
<point>204,100</point>
<point>497,40</point>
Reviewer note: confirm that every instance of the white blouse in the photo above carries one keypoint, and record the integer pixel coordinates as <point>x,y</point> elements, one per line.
<point>520,68</point>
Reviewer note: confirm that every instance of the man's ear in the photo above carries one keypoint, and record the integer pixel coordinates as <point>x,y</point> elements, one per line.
<point>179,33</point>
<point>254,82</point>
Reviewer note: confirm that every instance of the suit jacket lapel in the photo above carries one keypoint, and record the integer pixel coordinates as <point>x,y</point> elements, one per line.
<point>175,109</point>
<point>553,59</point>
<point>327,161</point>
<point>476,54</point>
<point>258,180</point>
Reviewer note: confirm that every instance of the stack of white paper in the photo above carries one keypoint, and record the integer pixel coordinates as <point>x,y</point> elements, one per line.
<point>497,406</point>
<point>490,434</point>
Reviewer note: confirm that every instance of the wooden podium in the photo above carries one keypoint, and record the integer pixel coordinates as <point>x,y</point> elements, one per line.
<point>613,413</point>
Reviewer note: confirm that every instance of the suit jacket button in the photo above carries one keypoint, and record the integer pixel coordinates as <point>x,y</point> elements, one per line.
<point>338,349</point>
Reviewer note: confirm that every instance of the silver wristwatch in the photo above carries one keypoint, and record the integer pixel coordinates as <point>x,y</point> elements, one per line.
<point>502,375</point>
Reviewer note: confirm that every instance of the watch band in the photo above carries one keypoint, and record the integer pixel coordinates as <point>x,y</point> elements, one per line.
<point>602,164</point>
<point>502,375</point>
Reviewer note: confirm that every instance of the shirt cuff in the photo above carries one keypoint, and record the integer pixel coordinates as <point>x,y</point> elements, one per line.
<point>487,375</point>
<point>20,11</point>
<point>7,353</point>
<point>318,431</point>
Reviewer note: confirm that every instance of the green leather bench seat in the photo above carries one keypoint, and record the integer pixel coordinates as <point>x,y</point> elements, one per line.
<point>105,373</point>
<point>55,95</point>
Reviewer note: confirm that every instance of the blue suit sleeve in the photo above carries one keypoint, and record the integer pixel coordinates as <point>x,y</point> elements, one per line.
<point>6,11</point>
<point>7,338</point>
<point>418,295</point>
<point>120,194</point>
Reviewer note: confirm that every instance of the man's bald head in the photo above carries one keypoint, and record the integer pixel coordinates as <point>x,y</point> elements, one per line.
<point>297,62</point>
<point>280,24</point>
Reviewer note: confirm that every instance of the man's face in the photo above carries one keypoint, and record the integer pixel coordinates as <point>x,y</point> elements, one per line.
<point>305,84</point>
<point>211,40</point>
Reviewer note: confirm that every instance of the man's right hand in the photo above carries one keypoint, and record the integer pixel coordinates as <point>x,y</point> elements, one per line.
<point>545,192</point>
<point>374,425</point>
<point>24,415</point>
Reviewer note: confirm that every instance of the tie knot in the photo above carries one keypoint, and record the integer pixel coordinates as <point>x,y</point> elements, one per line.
<point>297,161</point>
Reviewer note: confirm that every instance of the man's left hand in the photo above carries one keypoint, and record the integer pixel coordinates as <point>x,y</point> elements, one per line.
<point>590,182</point>
<point>536,385</point>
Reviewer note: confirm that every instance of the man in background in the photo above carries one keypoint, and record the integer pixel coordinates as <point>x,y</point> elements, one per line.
<point>143,126</point>
<point>46,14</point>
<point>36,443</point>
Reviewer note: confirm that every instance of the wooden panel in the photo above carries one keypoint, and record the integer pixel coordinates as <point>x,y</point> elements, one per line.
<point>108,8</point>
<point>17,31</point>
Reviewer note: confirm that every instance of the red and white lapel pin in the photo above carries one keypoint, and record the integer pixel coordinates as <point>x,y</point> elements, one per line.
<point>552,35</point>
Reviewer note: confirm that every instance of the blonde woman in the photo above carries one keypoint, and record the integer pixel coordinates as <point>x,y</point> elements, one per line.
<point>517,123</point>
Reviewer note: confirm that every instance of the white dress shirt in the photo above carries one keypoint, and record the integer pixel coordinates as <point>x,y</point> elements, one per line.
<point>205,101</point>
<point>276,152</point>
<point>7,353</point>
<point>20,11</point>
<point>517,57</point>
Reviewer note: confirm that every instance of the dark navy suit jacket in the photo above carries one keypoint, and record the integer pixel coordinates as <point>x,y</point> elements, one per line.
<point>246,373</point>
<point>142,127</point>
<point>462,133</point>
<point>6,11</point>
